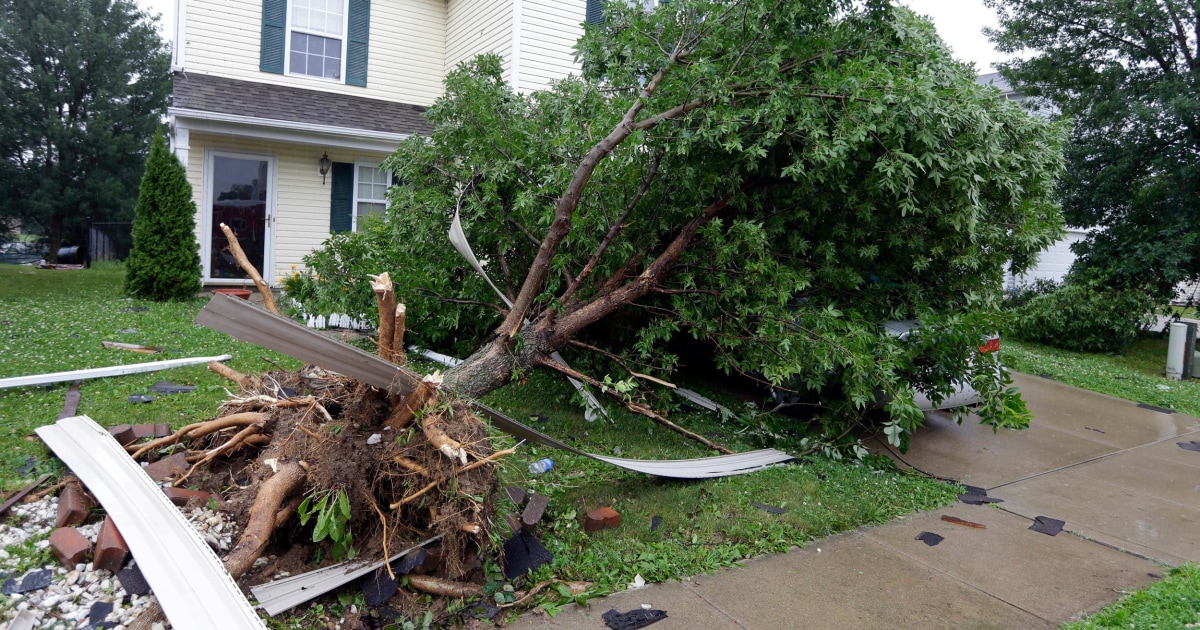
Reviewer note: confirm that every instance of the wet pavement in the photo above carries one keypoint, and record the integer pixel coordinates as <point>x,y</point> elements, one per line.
<point>1112,471</point>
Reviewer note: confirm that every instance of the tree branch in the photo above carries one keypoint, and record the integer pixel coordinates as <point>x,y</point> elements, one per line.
<point>547,362</point>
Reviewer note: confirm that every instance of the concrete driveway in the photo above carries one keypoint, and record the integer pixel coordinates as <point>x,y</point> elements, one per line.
<point>1113,472</point>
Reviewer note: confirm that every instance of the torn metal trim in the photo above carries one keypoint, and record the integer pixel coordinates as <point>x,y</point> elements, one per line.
<point>246,322</point>
<point>191,584</point>
<point>257,326</point>
<point>283,594</point>
<point>116,370</point>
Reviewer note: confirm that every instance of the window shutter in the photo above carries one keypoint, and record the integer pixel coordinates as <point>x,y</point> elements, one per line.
<point>595,13</point>
<point>274,21</point>
<point>341,198</point>
<point>358,34</point>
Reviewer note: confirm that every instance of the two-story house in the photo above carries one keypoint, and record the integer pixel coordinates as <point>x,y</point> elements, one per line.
<point>284,109</point>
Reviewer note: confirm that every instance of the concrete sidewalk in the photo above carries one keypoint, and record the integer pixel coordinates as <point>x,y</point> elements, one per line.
<point>1113,471</point>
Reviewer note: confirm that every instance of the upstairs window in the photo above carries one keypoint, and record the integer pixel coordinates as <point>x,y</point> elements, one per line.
<point>316,36</point>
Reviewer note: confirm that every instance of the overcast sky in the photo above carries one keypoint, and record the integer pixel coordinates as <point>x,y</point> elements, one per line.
<point>959,22</point>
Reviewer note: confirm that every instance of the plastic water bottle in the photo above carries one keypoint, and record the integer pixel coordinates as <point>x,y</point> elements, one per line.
<point>541,466</point>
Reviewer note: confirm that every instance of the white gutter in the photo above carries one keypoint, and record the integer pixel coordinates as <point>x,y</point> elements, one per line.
<point>116,370</point>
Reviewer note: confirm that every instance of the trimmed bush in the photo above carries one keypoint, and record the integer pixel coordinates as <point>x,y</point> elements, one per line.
<point>165,261</point>
<point>1084,316</point>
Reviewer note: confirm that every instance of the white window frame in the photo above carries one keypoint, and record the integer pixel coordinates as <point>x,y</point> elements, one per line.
<point>387,175</point>
<point>287,45</point>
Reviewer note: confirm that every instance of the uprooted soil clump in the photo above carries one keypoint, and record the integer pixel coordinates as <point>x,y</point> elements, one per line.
<point>374,472</point>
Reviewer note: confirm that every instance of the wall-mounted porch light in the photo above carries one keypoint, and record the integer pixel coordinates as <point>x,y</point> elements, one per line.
<point>323,166</point>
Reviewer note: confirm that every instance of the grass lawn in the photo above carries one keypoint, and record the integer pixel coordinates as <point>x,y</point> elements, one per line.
<point>55,320</point>
<point>1137,375</point>
<point>1173,602</point>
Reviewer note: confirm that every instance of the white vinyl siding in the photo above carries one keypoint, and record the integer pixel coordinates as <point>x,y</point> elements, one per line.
<point>407,49</point>
<point>549,30</point>
<point>475,27</point>
<point>301,201</point>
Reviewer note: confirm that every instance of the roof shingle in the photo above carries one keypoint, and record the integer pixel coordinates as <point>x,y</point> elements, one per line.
<point>205,92</point>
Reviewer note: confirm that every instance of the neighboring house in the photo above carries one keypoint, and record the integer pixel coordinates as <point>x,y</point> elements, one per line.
<point>1055,261</point>
<point>284,109</point>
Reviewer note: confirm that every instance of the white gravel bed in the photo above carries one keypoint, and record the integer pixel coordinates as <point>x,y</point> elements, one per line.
<point>67,602</point>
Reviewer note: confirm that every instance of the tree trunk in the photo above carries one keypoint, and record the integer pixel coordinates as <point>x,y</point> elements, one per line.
<point>56,239</point>
<point>494,364</point>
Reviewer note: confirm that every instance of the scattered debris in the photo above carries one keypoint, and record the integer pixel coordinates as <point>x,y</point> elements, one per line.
<point>140,399</point>
<point>516,495</point>
<point>167,387</point>
<point>191,585</point>
<point>74,505</point>
<point>20,494</point>
<point>769,508</point>
<point>378,587</point>
<point>655,522</point>
<point>1158,409</point>
<point>70,403</point>
<point>534,510</point>
<point>133,581</point>
<point>703,402</point>
<point>1096,430</point>
<point>117,370</point>
<point>375,438</point>
<point>23,621</point>
<point>977,496</point>
<point>640,582</point>
<point>111,551</point>
<point>964,523</point>
<point>27,467</point>
<point>601,518</point>
<point>128,331</point>
<point>524,553</point>
<point>98,612</point>
<point>1048,526</point>
<point>930,538</point>
<point>132,347</point>
<point>32,581</point>
<point>70,546</point>
<point>1190,446</point>
<point>541,466</point>
<point>280,595</point>
<point>634,619</point>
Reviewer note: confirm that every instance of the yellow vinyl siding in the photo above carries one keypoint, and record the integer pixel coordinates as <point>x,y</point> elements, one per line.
<point>406,54</point>
<point>301,202</point>
<point>549,30</point>
<point>475,27</point>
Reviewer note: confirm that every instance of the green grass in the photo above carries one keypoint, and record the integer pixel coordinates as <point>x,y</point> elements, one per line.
<point>1173,602</point>
<point>704,524</point>
<point>52,321</point>
<point>1137,375</point>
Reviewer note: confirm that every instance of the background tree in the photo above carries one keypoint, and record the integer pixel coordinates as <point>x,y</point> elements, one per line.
<point>164,263</point>
<point>83,86</point>
<point>1128,76</point>
<point>766,180</point>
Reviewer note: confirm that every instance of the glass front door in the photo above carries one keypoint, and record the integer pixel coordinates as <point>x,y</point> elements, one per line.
<point>240,187</point>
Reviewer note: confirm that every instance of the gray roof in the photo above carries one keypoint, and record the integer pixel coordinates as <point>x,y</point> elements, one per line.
<point>995,80</point>
<point>222,95</point>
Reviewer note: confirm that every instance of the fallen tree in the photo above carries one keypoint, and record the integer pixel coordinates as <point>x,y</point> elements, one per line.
<point>767,179</point>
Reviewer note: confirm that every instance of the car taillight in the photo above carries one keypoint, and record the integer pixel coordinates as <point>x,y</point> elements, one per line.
<point>992,345</point>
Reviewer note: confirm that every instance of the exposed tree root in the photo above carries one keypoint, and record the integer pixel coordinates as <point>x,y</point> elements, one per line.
<point>444,588</point>
<point>272,494</point>
<point>449,447</point>
<point>229,373</point>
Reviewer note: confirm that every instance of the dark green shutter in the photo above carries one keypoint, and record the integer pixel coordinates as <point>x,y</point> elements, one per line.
<point>341,198</point>
<point>358,34</point>
<point>274,21</point>
<point>595,13</point>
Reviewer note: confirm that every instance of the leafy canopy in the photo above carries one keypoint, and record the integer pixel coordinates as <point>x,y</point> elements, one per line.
<point>83,86</point>
<point>794,173</point>
<point>1126,74</point>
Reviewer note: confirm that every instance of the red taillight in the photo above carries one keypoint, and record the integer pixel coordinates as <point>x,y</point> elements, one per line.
<point>992,345</point>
